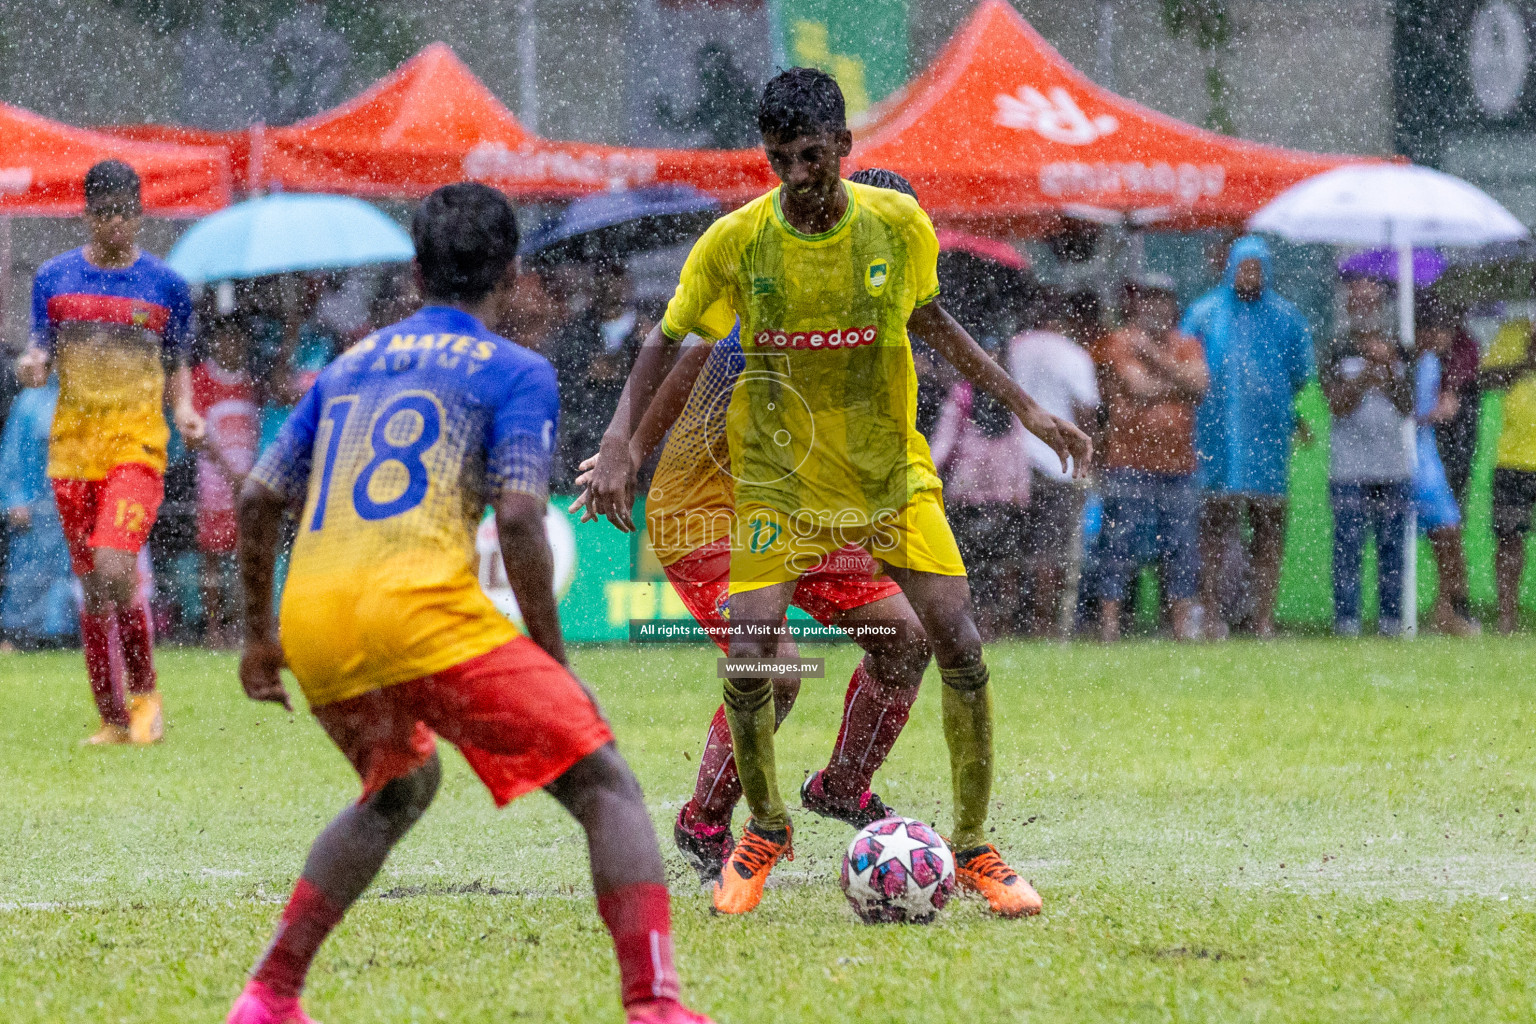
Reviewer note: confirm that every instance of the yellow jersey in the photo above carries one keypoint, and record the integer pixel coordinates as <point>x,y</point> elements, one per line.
<point>111,333</point>
<point>1517,440</point>
<point>395,453</point>
<point>822,420</point>
<point>691,501</point>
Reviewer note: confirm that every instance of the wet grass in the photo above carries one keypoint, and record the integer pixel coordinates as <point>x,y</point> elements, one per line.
<point>1302,831</point>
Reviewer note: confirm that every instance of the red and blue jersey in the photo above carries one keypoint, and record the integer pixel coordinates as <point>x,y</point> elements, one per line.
<point>111,334</point>
<point>395,453</point>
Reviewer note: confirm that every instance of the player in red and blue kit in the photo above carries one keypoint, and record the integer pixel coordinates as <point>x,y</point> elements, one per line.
<point>391,459</point>
<point>112,320</point>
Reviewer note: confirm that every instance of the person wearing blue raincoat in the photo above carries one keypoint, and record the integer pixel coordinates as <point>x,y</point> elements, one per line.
<point>1259,349</point>
<point>38,607</point>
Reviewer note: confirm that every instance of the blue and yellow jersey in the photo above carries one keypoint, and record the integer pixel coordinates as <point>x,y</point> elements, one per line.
<point>822,420</point>
<point>111,334</point>
<point>691,502</point>
<point>395,452</point>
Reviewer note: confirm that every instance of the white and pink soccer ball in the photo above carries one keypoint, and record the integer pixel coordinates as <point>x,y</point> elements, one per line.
<point>898,870</point>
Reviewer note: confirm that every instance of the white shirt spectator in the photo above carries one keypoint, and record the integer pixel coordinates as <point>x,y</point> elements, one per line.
<point>1058,373</point>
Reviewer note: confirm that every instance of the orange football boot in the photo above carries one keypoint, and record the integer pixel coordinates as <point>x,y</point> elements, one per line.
<point>981,869</point>
<point>110,734</point>
<point>146,722</point>
<point>740,888</point>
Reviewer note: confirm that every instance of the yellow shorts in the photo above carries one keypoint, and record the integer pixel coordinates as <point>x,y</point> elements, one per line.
<point>774,547</point>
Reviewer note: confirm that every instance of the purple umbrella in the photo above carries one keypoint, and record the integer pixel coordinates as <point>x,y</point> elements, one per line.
<point>1381,264</point>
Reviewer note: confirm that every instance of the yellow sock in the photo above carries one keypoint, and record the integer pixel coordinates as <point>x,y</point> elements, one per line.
<point>749,713</point>
<point>967,703</point>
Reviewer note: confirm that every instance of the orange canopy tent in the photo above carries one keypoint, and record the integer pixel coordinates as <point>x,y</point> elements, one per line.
<point>236,143</point>
<point>432,122</point>
<point>1001,130</point>
<point>43,165</point>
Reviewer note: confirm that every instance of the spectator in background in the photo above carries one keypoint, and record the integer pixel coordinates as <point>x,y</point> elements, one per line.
<point>1370,393</point>
<point>1153,377</point>
<point>290,343</point>
<point>978,447</point>
<point>1259,352</point>
<point>225,396</point>
<point>1056,371</point>
<point>1434,503</point>
<point>1510,366</point>
<point>38,608</point>
<point>1456,437</point>
<point>592,354</point>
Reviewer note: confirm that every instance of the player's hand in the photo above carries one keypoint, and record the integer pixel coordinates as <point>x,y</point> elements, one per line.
<point>19,517</point>
<point>582,501</point>
<point>1304,436</point>
<point>192,426</point>
<point>611,490</point>
<point>261,664</point>
<point>1064,438</point>
<point>32,368</point>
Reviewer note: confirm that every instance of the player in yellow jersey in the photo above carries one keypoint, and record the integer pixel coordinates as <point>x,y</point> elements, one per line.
<point>825,276</point>
<point>391,459</point>
<point>111,319</point>
<point>690,515</point>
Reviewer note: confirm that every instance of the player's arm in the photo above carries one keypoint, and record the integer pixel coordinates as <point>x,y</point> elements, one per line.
<point>936,327</point>
<point>33,364</point>
<point>520,526</point>
<point>611,485</point>
<point>658,419</point>
<point>189,421</point>
<point>278,481</point>
<point>697,306</point>
<point>520,450</point>
<point>260,510</point>
<point>179,335</point>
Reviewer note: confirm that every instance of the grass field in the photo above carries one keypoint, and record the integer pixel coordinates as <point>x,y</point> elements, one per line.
<point>1304,831</point>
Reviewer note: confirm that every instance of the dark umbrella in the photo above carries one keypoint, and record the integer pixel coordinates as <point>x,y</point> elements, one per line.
<point>617,225</point>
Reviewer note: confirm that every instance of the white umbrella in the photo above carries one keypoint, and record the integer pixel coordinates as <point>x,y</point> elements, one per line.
<point>1396,205</point>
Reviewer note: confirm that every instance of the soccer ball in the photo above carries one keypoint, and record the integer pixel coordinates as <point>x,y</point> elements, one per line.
<point>898,870</point>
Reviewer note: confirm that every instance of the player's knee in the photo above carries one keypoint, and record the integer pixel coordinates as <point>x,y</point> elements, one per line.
<point>748,694</point>
<point>601,776</point>
<point>115,576</point>
<point>966,678</point>
<point>403,801</point>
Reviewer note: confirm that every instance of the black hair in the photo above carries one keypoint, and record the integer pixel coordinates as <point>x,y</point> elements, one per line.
<point>879,177</point>
<point>465,236</point>
<point>801,101</point>
<point>111,179</point>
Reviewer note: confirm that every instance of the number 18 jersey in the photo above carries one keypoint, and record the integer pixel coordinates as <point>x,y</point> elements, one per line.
<point>396,451</point>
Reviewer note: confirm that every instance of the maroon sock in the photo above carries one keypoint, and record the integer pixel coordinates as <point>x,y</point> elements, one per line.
<point>96,638</point>
<point>639,917</point>
<point>874,713</point>
<point>137,634</point>
<point>307,920</point>
<point>718,787</point>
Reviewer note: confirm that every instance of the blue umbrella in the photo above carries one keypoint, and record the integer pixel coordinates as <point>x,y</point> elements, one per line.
<point>616,225</point>
<point>278,234</point>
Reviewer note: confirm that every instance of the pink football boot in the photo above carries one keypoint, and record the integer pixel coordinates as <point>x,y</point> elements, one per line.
<point>662,1011</point>
<point>257,1005</point>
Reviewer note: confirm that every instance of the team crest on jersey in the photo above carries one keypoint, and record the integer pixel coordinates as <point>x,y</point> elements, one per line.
<point>140,316</point>
<point>875,276</point>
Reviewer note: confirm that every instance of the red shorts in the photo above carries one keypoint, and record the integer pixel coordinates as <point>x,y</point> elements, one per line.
<point>519,719</point>
<point>844,580</point>
<point>116,512</point>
